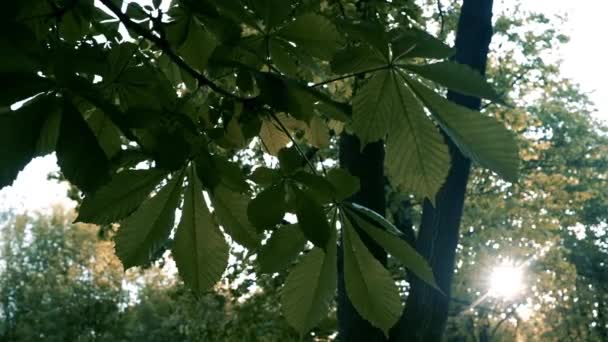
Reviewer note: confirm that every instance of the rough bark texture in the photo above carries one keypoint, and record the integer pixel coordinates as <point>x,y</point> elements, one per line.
<point>368,165</point>
<point>426,309</point>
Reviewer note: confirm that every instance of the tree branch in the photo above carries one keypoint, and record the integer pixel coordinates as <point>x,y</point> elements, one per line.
<point>164,46</point>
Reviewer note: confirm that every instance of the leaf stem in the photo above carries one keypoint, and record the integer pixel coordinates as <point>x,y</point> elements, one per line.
<point>355,74</point>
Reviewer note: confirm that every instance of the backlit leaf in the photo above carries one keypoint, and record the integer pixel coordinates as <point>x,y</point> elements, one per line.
<point>281,249</point>
<point>79,155</point>
<point>199,248</point>
<point>231,212</point>
<point>143,233</point>
<point>369,285</point>
<point>455,76</point>
<point>478,136</point>
<point>314,33</point>
<point>309,289</point>
<point>397,247</point>
<point>311,218</point>
<point>268,207</point>
<point>120,197</point>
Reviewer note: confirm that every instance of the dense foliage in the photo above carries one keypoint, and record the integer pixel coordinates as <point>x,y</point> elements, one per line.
<point>61,282</point>
<point>177,100</point>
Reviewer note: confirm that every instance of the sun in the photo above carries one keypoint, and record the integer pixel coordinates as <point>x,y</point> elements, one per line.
<point>506,280</point>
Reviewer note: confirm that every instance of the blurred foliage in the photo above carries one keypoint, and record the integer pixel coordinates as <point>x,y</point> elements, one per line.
<point>60,282</point>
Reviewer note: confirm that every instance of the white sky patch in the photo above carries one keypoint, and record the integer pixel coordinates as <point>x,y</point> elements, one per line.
<point>584,56</point>
<point>32,191</point>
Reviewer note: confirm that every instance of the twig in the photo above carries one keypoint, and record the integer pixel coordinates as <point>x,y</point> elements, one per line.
<point>295,143</point>
<point>441,17</point>
<point>166,48</point>
<point>355,74</point>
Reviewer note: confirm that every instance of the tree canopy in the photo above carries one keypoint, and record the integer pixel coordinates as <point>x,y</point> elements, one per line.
<point>210,129</point>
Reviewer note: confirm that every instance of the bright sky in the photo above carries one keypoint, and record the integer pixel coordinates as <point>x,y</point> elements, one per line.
<point>582,61</point>
<point>584,57</point>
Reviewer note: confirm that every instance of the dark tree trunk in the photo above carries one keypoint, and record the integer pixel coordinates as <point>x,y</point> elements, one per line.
<point>368,165</point>
<point>426,310</point>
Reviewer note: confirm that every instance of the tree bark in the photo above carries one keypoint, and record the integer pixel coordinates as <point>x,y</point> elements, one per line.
<point>426,310</point>
<point>368,166</point>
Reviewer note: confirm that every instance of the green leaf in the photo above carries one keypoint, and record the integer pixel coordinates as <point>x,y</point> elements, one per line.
<point>199,248</point>
<point>417,159</point>
<point>458,77</point>
<point>369,32</point>
<point>413,43</point>
<point>373,216</point>
<point>214,170</point>
<point>317,132</point>
<point>79,155</point>
<point>345,185</point>
<point>120,197</point>
<point>397,247</point>
<point>76,21</point>
<point>478,136</point>
<point>369,285</point>
<point>265,176</point>
<point>290,160</point>
<point>272,12</point>
<point>311,218</point>
<point>19,136</point>
<point>17,86</point>
<point>135,11</point>
<point>376,106</point>
<point>198,46</point>
<point>273,138</point>
<point>283,246</point>
<point>309,289</point>
<point>313,33</point>
<point>318,186</point>
<point>244,80</point>
<point>50,132</point>
<point>119,57</point>
<point>231,212</point>
<point>143,233</point>
<point>268,207</point>
<point>281,58</point>
<point>17,56</point>
<point>357,59</point>
<point>108,135</point>
<point>286,96</point>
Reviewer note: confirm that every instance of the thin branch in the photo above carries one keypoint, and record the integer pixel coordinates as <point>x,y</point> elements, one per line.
<point>441,17</point>
<point>355,74</point>
<point>341,7</point>
<point>295,143</point>
<point>166,48</point>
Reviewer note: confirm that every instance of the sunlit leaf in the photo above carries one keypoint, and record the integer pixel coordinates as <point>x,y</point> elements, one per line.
<point>143,233</point>
<point>231,212</point>
<point>281,249</point>
<point>309,289</point>
<point>369,285</point>
<point>477,135</point>
<point>199,248</point>
<point>120,197</point>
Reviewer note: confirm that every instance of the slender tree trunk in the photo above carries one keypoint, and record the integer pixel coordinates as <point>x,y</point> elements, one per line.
<point>426,310</point>
<point>368,165</point>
